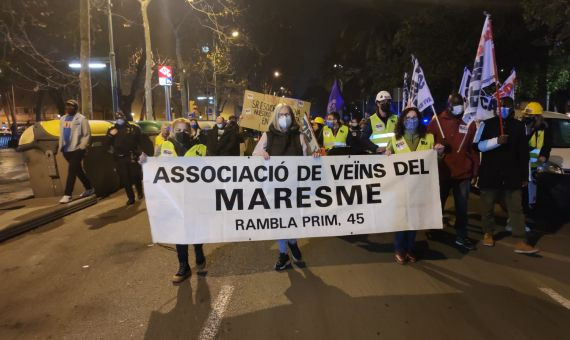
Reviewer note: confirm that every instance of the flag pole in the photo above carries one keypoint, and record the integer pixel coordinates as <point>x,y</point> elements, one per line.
<point>437,121</point>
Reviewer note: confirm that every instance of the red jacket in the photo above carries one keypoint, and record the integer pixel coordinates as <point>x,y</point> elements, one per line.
<point>456,165</point>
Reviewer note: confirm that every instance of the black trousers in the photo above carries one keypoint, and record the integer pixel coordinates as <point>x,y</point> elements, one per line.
<point>130,173</point>
<point>182,252</point>
<point>75,169</point>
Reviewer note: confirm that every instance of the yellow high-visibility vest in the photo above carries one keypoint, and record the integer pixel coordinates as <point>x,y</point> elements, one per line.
<point>382,133</point>
<point>167,150</point>
<point>400,145</point>
<point>331,141</point>
<point>158,140</point>
<point>536,142</point>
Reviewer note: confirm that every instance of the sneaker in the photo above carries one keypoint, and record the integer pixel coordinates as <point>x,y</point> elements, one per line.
<point>465,243</point>
<point>183,273</point>
<point>130,202</point>
<point>400,258</point>
<point>283,262</point>
<point>411,258</point>
<point>87,193</point>
<point>525,248</point>
<point>295,252</point>
<point>65,199</point>
<point>488,240</point>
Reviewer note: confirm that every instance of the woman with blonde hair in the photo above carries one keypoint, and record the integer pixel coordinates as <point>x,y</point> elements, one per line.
<point>284,138</point>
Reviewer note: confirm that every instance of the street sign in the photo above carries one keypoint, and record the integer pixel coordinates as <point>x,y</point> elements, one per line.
<point>165,75</point>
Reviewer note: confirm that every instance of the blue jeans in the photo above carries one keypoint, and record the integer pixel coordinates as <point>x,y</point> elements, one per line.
<point>405,241</point>
<point>283,245</point>
<point>460,189</point>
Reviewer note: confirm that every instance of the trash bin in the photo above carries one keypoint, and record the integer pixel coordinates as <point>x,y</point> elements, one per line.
<point>48,169</point>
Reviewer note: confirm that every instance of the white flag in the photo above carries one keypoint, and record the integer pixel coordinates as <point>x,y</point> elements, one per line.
<point>405,91</point>
<point>464,87</point>
<point>480,103</point>
<point>508,87</point>
<point>420,95</point>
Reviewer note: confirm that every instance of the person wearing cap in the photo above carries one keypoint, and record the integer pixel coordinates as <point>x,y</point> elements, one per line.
<point>503,173</point>
<point>318,124</point>
<point>380,127</point>
<point>539,145</point>
<point>125,141</point>
<point>74,138</point>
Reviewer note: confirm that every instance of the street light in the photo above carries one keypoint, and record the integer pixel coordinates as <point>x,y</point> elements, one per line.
<point>276,74</point>
<point>235,34</point>
<point>91,65</point>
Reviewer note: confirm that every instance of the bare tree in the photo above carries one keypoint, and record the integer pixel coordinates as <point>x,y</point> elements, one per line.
<point>84,56</point>
<point>148,60</point>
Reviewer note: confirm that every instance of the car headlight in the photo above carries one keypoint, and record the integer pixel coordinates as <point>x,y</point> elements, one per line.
<point>549,168</point>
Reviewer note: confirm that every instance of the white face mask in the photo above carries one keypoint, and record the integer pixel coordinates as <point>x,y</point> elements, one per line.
<point>220,125</point>
<point>284,122</point>
<point>457,110</point>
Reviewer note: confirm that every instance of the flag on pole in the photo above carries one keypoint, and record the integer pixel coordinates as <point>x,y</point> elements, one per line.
<point>420,95</point>
<point>464,86</point>
<point>480,101</point>
<point>335,99</point>
<point>508,87</point>
<point>405,91</point>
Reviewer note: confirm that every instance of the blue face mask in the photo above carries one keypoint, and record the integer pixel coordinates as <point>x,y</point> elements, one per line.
<point>411,124</point>
<point>505,111</point>
<point>194,126</point>
<point>330,124</point>
<point>120,121</point>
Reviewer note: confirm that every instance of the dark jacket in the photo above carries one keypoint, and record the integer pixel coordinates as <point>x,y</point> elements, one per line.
<point>455,165</point>
<point>223,145</point>
<point>505,167</point>
<point>126,142</point>
<point>281,143</point>
<point>356,143</point>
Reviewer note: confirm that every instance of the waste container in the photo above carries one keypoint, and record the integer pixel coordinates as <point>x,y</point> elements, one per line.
<point>48,169</point>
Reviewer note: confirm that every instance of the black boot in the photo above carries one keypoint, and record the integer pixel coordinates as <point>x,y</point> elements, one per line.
<point>183,273</point>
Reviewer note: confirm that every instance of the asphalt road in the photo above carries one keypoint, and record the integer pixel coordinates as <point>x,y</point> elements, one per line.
<point>96,275</point>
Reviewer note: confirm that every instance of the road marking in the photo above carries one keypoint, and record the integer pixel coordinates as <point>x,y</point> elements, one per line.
<point>216,314</point>
<point>556,297</point>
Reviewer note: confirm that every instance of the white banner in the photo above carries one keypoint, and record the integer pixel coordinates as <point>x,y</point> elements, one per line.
<point>229,199</point>
<point>464,86</point>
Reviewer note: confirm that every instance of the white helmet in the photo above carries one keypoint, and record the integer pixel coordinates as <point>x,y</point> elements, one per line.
<point>383,95</point>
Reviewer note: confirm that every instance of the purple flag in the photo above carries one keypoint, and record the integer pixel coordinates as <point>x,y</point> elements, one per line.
<point>335,99</point>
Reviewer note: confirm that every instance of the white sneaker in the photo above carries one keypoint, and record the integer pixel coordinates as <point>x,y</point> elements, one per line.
<point>65,199</point>
<point>87,193</point>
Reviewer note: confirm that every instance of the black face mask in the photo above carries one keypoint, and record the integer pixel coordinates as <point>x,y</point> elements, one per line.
<point>528,120</point>
<point>182,138</point>
<point>385,107</point>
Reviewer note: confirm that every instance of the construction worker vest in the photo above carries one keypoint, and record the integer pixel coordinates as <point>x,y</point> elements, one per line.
<point>167,150</point>
<point>400,145</point>
<point>381,134</point>
<point>158,140</point>
<point>331,141</point>
<point>536,142</point>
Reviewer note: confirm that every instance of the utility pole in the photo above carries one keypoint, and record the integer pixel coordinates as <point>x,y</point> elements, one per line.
<point>215,82</point>
<point>112,62</point>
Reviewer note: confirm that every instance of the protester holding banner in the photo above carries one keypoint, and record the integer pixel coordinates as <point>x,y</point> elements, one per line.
<point>222,140</point>
<point>181,144</point>
<point>459,164</point>
<point>539,145</point>
<point>409,136</point>
<point>283,138</point>
<point>503,173</point>
<point>380,128</point>
<point>335,134</point>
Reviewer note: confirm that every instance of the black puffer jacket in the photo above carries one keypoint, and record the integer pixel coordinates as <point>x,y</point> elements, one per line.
<point>505,167</point>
